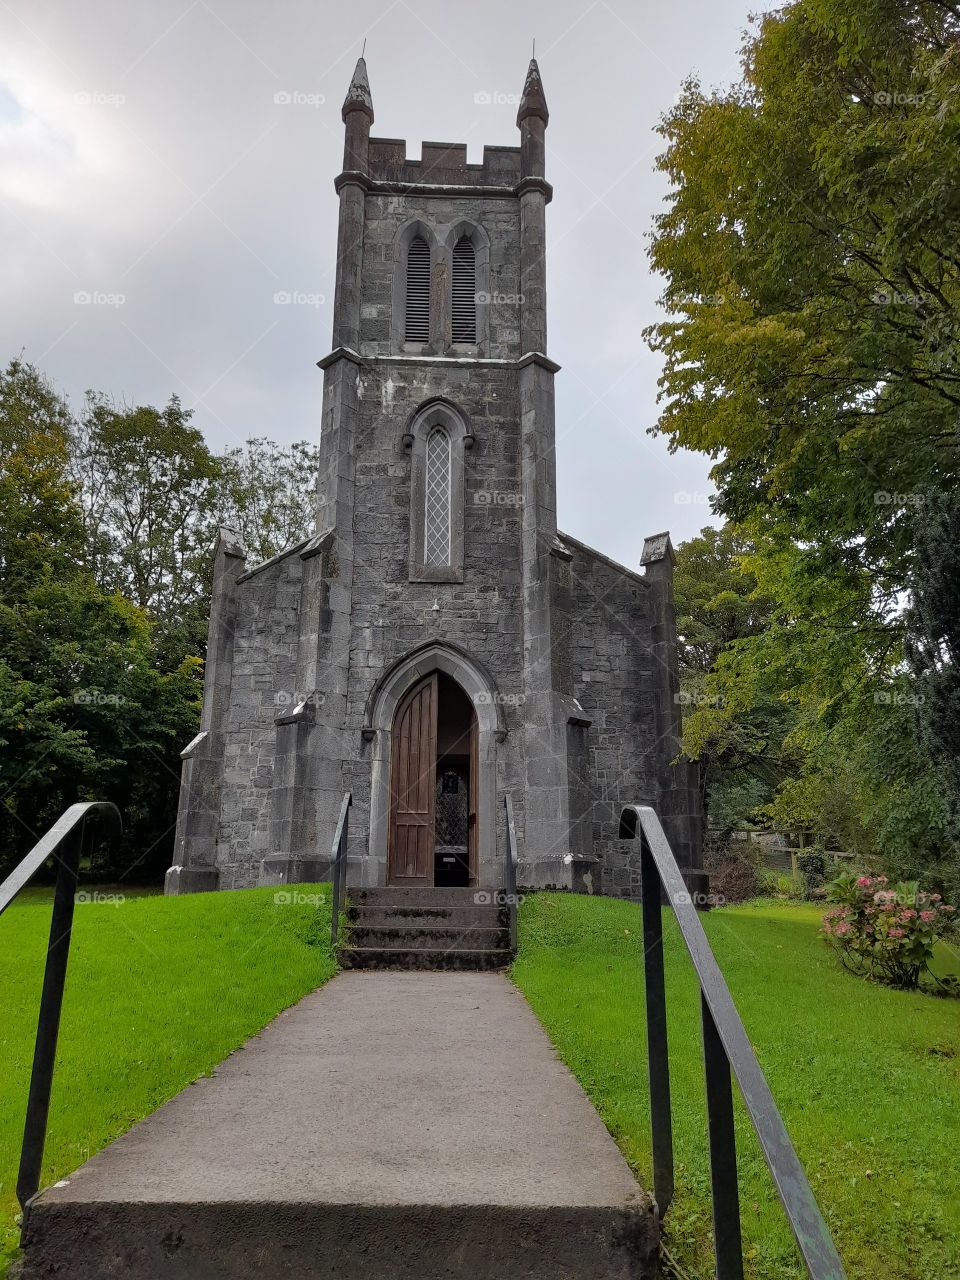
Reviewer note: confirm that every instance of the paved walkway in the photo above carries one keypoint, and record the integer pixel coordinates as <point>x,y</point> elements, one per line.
<point>380,1089</point>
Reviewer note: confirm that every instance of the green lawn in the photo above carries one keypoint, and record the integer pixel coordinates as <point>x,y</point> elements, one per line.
<point>159,990</point>
<point>867,1079</point>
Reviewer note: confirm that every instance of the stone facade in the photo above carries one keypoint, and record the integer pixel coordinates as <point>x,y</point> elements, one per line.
<point>569,658</point>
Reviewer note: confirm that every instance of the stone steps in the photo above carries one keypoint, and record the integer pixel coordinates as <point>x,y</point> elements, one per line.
<point>395,928</point>
<point>424,958</point>
<point>428,937</point>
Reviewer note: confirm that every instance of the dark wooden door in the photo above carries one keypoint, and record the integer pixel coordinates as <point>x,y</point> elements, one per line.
<point>413,781</point>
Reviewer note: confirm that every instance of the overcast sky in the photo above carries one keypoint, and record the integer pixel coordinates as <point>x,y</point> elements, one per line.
<point>147,163</point>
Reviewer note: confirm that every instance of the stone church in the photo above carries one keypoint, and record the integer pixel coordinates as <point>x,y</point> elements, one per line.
<point>439,642</point>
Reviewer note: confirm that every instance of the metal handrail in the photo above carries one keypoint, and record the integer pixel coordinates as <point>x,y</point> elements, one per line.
<point>339,869</point>
<point>64,841</point>
<point>511,860</point>
<point>725,1046</point>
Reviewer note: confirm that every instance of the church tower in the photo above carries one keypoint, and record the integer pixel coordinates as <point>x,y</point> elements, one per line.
<point>437,643</point>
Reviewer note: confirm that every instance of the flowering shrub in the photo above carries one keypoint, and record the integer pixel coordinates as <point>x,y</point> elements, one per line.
<point>885,932</point>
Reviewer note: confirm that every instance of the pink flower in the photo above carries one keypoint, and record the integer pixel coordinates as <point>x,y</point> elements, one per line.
<point>843,928</point>
<point>928,916</point>
<point>896,933</point>
<point>946,907</point>
<point>909,914</point>
<point>864,882</point>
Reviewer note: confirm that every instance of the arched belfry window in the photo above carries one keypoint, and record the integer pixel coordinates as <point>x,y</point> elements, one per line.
<point>464,328</point>
<point>417,321</point>
<point>437,500</point>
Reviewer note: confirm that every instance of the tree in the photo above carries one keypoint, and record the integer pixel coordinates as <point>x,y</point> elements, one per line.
<point>39,522</point>
<point>269,494</point>
<point>812,291</point>
<point>87,707</point>
<point>151,493</point>
<point>107,527</point>
<point>718,605</point>
<point>933,639</point>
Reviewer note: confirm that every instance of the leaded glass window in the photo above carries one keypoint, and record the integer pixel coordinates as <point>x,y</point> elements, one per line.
<point>436,541</point>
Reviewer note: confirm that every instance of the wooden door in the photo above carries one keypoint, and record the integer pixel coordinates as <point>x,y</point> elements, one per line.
<point>413,781</point>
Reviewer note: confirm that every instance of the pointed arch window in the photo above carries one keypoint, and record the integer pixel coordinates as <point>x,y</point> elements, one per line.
<point>417,321</point>
<point>438,439</point>
<point>464,328</point>
<point>437,500</point>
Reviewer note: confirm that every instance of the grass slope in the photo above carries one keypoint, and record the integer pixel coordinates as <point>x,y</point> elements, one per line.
<point>159,990</point>
<point>866,1078</point>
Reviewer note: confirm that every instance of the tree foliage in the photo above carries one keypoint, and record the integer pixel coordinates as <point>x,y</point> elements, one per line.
<point>107,525</point>
<point>811,349</point>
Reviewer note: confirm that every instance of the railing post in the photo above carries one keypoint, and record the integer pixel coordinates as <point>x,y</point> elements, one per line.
<point>511,876</point>
<point>339,877</point>
<point>723,1151</point>
<point>48,1020</point>
<point>658,1058</point>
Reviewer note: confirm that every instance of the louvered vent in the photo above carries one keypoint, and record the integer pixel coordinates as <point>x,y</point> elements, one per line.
<point>464,292</point>
<point>418,291</point>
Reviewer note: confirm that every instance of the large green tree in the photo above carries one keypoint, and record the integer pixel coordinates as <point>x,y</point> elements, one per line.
<point>813,297</point>
<point>88,708</point>
<point>107,526</point>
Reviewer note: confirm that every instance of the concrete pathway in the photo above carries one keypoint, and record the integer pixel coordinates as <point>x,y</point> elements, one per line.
<point>391,1124</point>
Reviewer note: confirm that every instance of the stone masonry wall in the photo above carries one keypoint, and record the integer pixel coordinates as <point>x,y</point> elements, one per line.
<point>612,678</point>
<point>264,674</point>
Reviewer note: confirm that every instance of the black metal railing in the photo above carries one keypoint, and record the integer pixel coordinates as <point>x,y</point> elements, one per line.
<point>65,843</point>
<point>511,860</point>
<point>725,1047</point>
<point>339,868</point>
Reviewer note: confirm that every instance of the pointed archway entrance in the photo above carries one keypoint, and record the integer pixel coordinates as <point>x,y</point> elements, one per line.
<point>432,838</point>
<point>380,719</point>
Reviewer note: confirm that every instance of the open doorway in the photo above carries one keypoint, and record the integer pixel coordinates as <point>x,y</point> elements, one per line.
<point>433,787</point>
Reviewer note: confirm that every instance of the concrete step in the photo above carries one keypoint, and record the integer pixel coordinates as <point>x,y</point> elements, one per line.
<point>266,1240</point>
<point>426,937</point>
<point>396,896</point>
<point>453,917</point>
<point>424,958</point>
<point>392,1126</point>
